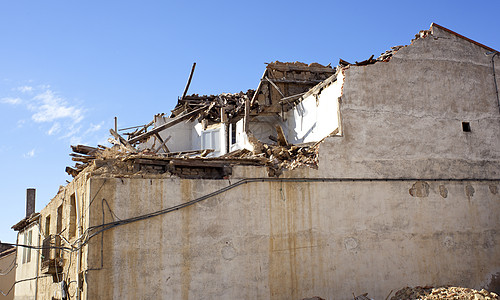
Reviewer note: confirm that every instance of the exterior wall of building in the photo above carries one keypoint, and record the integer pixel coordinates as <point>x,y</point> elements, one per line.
<point>27,262</point>
<point>317,115</point>
<point>404,118</point>
<point>403,197</point>
<point>60,218</point>
<point>293,240</point>
<point>264,126</point>
<point>7,274</point>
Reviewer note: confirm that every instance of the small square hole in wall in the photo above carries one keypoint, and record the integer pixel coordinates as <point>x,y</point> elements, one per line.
<point>466,126</point>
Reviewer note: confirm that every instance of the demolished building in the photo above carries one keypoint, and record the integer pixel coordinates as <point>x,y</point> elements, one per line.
<point>323,181</point>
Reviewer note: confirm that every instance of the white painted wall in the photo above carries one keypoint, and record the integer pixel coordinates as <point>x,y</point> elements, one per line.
<point>190,136</point>
<point>181,135</point>
<point>316,116</point>
<point>214,137</point>
<point>27,269</point>
<point>241,137</point>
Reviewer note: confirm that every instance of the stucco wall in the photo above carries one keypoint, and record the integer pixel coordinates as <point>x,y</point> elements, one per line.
<point>392,210</point>
<point>317,115</point>
<point>292,240</point>
<point>27,263</point>
<point>404,118</point>
<point>8,275</point>
<point>49,286</point>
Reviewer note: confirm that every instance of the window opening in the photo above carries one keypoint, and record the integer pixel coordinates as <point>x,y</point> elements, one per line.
<point>466,126</point>
<point>59,229</point>
<point>47,226</point>
<point>233,133</point>
<point>72,216</point>
<point>26,250</point>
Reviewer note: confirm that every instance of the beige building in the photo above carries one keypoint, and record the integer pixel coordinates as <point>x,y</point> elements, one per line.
<point>7,272</point>
<point>363,178</point>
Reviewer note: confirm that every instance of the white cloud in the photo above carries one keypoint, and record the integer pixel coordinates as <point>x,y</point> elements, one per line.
<point>24,89</point>
<point>56,127</point>
<point>11,100</point>
<point>94,128</point>
<point>49,107</point>
<point>30,154</point>
<point>72,131</point>
<point>55,114</point>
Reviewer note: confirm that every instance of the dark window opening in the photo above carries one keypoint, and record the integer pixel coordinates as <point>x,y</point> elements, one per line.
<point>233,133</point>
<point>47,226</point>
<point>72,216</point>
<point>59,228</point>
<point>466,126</point>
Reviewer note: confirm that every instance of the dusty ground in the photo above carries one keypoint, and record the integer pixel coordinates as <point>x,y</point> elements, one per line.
<point>451,292</point>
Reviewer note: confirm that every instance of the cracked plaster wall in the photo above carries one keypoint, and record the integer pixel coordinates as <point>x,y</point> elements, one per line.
<point>330,239</point>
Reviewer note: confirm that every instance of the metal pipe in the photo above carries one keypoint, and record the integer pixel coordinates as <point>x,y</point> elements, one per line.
<point>79,253</point>
<point>38,258</point>
<point>495,79</point>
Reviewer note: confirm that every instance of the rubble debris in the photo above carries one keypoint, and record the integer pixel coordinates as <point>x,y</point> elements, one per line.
<point>281,136</point>
<point>282,81</point>
<point>387,55</point>
<point>446,292</point>
<point>361,297</point>
<point>234,105</point>
<point>183,117</point>
<point>286,80</point>
<point>273,156</point>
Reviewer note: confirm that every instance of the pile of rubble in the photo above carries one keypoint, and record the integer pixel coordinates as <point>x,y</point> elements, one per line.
<point>119,160</point>
<point>448,292</point>
<point>232,103</point>
<point>123,157</point>
<point>281,81</point>
<point>387,55</point>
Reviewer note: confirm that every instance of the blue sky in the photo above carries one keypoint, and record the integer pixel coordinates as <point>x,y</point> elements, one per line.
<point>67,68</point>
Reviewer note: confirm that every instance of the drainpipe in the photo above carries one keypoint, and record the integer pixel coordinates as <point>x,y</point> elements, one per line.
<point>495,79</point>
<point>79,254</point>
<point>38,258</point>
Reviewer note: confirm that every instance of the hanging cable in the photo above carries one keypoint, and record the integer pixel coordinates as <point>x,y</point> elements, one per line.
<point>95,230</point>
<point>22,280</point>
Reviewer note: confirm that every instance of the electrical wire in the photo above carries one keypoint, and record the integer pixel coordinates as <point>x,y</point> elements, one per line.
<point>22,280</point>
<point>11,266</point>
<point>106,226</point>
<point>92,231</point>
<point>40,247</point>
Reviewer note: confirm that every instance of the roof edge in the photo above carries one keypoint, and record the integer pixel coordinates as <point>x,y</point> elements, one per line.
<point>463,37</point>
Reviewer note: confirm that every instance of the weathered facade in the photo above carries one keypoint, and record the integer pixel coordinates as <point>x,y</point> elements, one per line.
<point>404,191</point>
<point>7,272</point>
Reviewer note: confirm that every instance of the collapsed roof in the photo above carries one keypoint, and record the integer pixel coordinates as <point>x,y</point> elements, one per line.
<point>281,87</point>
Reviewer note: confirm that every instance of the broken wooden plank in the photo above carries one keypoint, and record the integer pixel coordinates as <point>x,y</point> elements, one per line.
<point>172,122</point>
<point>163,143</point>
<point>293,97</point>
<point>255,95</point>
<point>81,155</point>
<point>296,81</point>
<point>72,171</point>
<point>189,81</point>
<point>82,149</point>
<point>122,141</point>
<point>281,136</point>
<point>343,63</point>
<point>275,86</point>
<point>81,159</point>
